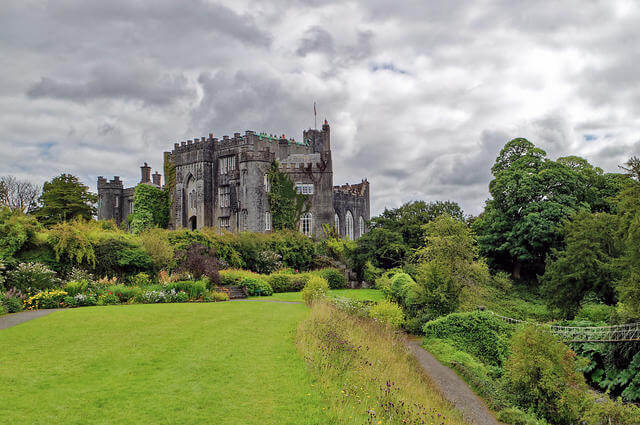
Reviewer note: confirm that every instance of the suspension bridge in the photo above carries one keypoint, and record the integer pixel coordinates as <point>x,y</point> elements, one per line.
<point>618,333</point>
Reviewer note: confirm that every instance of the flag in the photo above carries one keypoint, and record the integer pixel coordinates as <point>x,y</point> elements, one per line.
<point>314,109</point>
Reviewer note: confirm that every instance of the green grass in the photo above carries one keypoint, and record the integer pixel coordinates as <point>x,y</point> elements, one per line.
<point>357,294</point>
<point>217,363</point>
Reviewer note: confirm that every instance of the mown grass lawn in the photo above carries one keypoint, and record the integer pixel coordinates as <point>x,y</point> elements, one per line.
<point>217,363</point>
<point>356,294</point>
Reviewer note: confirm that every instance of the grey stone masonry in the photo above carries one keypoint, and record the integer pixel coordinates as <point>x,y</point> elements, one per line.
<point>222,183</point>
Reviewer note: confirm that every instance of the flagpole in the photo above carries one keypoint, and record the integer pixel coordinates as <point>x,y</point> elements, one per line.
<point>315,116</point>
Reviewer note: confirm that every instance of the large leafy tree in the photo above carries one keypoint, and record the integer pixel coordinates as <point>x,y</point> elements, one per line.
<point>587,263</point>
<point>409,219</point>
<point>383,247</point>
<point>65,198</point>
<point>531,197</point>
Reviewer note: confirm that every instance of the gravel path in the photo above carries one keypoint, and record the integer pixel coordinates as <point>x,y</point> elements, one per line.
<point>10,320</point>
<point>453,388</point>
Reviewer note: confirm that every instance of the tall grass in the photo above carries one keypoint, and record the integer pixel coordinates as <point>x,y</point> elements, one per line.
<point>367,373</point>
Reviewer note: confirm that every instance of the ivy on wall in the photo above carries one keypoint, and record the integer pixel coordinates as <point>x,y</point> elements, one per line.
<point>151,208</point>
<point>285,203</point>
<point>169,180</point>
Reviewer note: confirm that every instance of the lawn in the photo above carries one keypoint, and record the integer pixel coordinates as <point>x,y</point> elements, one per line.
<point>357,294</point>
<point>217,363</point>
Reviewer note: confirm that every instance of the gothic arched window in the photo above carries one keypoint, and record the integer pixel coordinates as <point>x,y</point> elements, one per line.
<point>360,226</point>
<point>336,223</point>
<point>349,225</point>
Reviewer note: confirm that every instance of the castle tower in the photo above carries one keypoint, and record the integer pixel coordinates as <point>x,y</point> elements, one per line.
<point>110,199</point>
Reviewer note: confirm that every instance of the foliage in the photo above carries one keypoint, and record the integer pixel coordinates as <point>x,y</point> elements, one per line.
<point>515,416</point>
<point>316,289</point>
<point>71,240</point>
<point>218,296</point>
<point>65,198</point>
<point>285,203</point>
<point>117,256</point>
<point>140,279</point>
<point>151,208</point>
<point>18,195</point>
<point>45,299</point>
<point>108,298</point>
<point>31,277</point>
<point>200,261</point>
<point>256,286</point>
<point>387,312</point>
<point>409,219</point>
<point>233,277</point>
<point>123,293</point>
<point>288,282</point>
<point>194,289</point>
<point>531,197</point>
<point>383,247</point>
<point>542,375</point>
<point>75,287</point>
<point>11,304</point>
<point>481,334</point>
<point>598,313</point>
<point>585,265</point>
<point>17,231</point>
<point>604,411</point>
<point>337,248</point>
<point>156,243</point>
<point>335,277</point>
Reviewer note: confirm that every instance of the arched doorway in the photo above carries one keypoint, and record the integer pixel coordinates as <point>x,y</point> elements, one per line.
<point>193,223</point>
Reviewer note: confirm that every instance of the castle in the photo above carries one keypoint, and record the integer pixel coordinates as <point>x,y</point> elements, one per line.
<point>224,183</point>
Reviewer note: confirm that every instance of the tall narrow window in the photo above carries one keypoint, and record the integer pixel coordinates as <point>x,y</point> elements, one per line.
<point>267,220</point>
<point>224,196</point>
<point>336,222</point>
<point>117,201</point>
<point>360,226</point>
<point>227,164</point>
<point>349,225</point>
<point>267,184</point>
<point>224,222</point>
<point>306,224</point>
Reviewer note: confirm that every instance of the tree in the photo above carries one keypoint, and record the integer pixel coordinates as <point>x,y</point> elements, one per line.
<point>18,194</point>
<point>285,203</point>
<point>586,264</point>
<point>65,198</point>
<point>408,220</point>
<point>383,247</point>
<point>531,197</point>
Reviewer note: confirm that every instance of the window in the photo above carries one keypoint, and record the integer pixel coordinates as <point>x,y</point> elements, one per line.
<point>117,201</point>
<point>304,188</point>
<point>349,225</point>
<point>224,196</point>
<point>306,224</point>
<point>245,220</point>
<point>360,226</point>
<point>267,221</point>
<point>336,222</point>
<point>192,199</point>
<point>224,222</point>
<point>227,164</point>
<point>267,183</point>
<point>130,207</point>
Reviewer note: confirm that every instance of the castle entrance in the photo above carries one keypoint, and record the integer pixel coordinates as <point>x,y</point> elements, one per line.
<point>193,223</point>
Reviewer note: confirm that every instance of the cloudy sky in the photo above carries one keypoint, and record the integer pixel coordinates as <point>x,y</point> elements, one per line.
<point>420,95</point>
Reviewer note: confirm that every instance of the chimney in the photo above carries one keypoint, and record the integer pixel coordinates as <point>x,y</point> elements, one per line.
<point>145,170</point>
<point>157,179</point>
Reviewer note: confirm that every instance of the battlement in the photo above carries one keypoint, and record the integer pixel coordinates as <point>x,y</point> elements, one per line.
<point>264,156</point>
<point>115,183</point>
<point>359,189</point>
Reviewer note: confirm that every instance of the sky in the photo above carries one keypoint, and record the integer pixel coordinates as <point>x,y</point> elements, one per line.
<point>420,95</point>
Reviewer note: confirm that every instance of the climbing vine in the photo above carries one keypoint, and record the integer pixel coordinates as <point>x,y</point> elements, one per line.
<point>169,180</point>
<point>151,208</point>
<point>286,204</point>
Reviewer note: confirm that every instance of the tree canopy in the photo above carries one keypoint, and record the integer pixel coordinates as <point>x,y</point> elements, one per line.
<point>65,198</point>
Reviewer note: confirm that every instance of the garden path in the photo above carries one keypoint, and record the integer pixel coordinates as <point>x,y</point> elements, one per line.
<point>13,319</point>
<point>453,388</point>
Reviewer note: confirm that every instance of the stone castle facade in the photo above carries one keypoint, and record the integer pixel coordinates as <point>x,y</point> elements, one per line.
<point>223,183</point>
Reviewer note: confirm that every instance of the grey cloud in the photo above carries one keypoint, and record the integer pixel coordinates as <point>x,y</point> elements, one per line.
<point>316,39</point>
<point>110,82</point>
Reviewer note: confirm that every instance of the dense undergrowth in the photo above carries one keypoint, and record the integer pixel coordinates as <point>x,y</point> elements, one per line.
<point>366,372</point>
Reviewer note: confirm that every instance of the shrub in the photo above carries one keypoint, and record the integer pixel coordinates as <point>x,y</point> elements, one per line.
<point>502,280</point>
<point>370,272</point>
<point>45,299</point>
<point>75,287</point>
<point>316,289</point>
<point>194,289</point>
<point>335,277</point>
<point>156,243</point>
<point>604,411</point>
<point>122,292</point>
<point>436,292</point>
<point>286,281</point>
<point>12,304</point>
<point>3,310</point>
<point>141,279</point>
<point>108,298</point>
<point>70,239</point>
<point>596,313</point>
<point>396,287</point>
<point>515,416</point>
<point>80,300</point>
<point>233,277</point>
<point>32,277</point>
<point>256,286</point>
<point>180,297</point>
<point>387,312</point>
<point>120,257</point>
<point>200,261</point>
<point>217,296</point>
<point>479,333</point>
<point>541,374</point>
